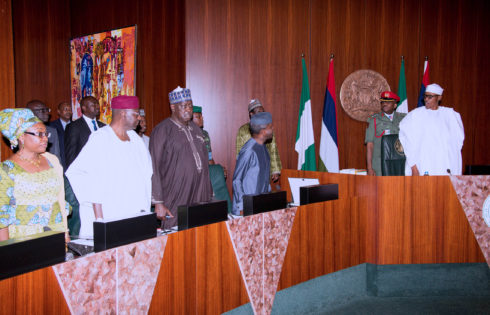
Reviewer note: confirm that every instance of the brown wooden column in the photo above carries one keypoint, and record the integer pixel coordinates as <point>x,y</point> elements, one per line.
<point>7,79</point>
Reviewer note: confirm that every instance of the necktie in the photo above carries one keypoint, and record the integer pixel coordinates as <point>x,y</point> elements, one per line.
<point>95,125</point>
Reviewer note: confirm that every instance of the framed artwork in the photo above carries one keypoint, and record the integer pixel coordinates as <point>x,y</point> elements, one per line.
<point>102,65</point>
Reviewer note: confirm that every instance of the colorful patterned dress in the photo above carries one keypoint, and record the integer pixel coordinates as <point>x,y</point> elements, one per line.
<point>29,201</point>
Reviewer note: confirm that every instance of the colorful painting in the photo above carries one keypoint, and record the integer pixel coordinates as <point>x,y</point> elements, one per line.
<point>102,65</point>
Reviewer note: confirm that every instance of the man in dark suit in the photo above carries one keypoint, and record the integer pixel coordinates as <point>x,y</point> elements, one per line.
<point>64,112</point>
<point>77,133</point>
<point>42,112</point>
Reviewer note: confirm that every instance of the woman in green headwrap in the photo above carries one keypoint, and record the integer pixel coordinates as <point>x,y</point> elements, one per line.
<point>31,180</point>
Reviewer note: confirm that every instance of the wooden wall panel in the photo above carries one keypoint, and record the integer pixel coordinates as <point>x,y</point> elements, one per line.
<point>236,50</point>
<point>160,65</point>
<point>231,51</point>
<point>41,34</point>
<point>338,27</point>
<point>7,78</point>
<point>239,50</point>
<point>449,38</point>
<point>43,28</point>
<point>481,115</point>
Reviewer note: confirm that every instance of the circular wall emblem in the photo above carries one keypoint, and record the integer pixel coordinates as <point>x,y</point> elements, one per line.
<point>486,211</point>
<point>359,94</point>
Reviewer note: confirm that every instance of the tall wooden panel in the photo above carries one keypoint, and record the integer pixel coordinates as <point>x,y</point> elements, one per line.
<point>450,37</point>
<point>230,51</point>
<point>7,78</point>
<point>338,27</point>
<point>41,33</point>
<point>239,50</point>
<point>236,50</point>
<point>160,55</point>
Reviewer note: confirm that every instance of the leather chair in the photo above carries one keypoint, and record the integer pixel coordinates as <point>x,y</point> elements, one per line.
<point>392,156</point>
<point>218,183</point>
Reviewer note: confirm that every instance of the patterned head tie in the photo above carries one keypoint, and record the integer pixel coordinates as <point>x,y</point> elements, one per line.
<point>179,95</point>
<point>15,121</point>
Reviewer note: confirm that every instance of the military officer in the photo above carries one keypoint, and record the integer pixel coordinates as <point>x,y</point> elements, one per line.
<point>383,123</point>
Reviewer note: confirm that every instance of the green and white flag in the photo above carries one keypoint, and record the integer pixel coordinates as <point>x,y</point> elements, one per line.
<point>402,91</point>
<point>305,141</point>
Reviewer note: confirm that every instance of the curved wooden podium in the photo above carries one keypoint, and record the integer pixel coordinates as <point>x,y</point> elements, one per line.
<point>218,267</point>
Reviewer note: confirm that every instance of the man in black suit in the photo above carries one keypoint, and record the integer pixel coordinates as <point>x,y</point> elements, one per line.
<point>42,112</point>
<point>64,112</point>
<point>77,133</point>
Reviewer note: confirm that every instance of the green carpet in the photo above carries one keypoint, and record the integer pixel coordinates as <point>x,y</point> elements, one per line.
<point>389,289</point>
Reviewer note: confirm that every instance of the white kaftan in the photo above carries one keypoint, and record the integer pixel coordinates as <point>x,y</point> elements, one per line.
<point>114,173</point>
<point>432,140</point>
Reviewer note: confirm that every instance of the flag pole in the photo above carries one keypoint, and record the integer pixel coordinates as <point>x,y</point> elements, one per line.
<point>328,158</point>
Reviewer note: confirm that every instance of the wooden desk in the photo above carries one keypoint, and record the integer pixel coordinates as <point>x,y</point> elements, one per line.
<point>381,220</point>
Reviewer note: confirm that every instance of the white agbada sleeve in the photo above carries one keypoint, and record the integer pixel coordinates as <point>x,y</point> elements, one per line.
<point>87,169</point>
<point>455,128</point>
<point>409,135</point>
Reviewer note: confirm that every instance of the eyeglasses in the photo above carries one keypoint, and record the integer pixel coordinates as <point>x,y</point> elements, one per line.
<point>429,96</point>
<point>42,110</point>
<point>39,134</point>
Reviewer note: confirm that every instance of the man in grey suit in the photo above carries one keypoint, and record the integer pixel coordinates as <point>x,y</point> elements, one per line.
<point>42,112</point>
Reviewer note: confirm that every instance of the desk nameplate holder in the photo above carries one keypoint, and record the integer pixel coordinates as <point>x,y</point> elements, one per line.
<point>253,204</point>
<point>318,193</point>
<point>201,214</point>
<point>121,232</point>
<point>20,255</point>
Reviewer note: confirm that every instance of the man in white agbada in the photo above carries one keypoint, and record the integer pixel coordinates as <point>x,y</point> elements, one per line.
<point>432,137</point>
<point>111,176</point>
